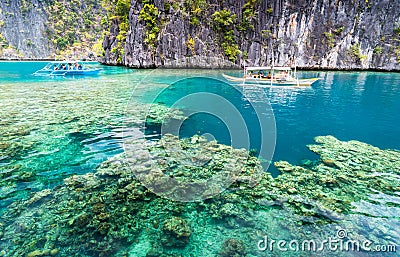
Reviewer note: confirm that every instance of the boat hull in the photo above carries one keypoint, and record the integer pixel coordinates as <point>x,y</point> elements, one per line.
<point>67,72</point>
<point>264,82</point>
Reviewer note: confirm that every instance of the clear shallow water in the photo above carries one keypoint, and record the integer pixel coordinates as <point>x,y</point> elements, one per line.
<point>52,127</point>
<point>55,127</point>
<point>73,123</point>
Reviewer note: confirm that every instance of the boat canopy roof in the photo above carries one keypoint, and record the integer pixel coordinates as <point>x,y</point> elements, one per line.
<point>269,68</point>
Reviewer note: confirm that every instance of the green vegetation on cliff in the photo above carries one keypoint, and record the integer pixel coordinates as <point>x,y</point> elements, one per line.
<point>355,53</point>
<point>242,30</point>
<point>195,9</point>
<point>3,43</point>
<point>73,26</point>
<point>248,13</point>
<point>117,12</point>
<point>224,22</point>
<point>149,15</point>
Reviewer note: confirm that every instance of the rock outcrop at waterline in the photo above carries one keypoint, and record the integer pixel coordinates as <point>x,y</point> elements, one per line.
<point>335,34</point>
<point>357,34</point>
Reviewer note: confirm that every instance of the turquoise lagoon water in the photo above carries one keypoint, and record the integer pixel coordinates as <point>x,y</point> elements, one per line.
<point>349,105</point>
<point>51,128</point>
<point>47,129</point>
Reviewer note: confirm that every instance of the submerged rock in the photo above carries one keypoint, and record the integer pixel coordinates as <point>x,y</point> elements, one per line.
<point>35,253</point>
<point>329,162</point>
<point>232,248</point>
<point>176,232</point>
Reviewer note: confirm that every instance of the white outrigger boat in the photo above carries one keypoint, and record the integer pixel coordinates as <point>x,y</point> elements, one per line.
<point>65,68</point>
<point>270,76</point>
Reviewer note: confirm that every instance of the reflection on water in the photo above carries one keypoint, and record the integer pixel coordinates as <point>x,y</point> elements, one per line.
<point>285,97</point>
<point>359,87</point>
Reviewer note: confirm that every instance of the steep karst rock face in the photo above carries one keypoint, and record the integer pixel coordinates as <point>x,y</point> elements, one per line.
<point>37,29</point>
<point>22,30</point>
<point>337,34</point>
<point>354,34</point>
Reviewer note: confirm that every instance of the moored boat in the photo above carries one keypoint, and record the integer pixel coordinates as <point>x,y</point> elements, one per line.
<point>66,68</point>
<point>270,76</point>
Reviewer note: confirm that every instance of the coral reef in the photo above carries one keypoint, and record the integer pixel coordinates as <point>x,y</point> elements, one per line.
<point>49,136</point>
<point>232,248</point>
<point>176,232</point>
<point>110,212</point>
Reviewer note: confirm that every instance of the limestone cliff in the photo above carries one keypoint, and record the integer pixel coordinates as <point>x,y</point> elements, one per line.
<point>22,30</point>
<point>338,34</point>
<point>37,29</point>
